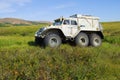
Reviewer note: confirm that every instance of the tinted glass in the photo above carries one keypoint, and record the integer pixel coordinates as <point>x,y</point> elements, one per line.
<point>73,22</point>
<point>66,22</point>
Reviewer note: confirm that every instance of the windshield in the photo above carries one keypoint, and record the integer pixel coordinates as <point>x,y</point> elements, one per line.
<point>57,23</point>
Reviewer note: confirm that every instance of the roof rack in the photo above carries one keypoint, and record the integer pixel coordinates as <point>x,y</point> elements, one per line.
<point>84,16</point>
<point>79,15</point>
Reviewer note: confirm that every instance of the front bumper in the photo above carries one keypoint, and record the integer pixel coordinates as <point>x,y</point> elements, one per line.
<point>36,35</point>
<point>39,35</point>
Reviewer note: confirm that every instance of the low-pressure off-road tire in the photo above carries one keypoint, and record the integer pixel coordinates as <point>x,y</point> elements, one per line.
<point>52,40</point>
<point>82,40</point>
<point>95,40</point>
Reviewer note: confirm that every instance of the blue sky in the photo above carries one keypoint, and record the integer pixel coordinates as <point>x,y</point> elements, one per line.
<point>48,10</point>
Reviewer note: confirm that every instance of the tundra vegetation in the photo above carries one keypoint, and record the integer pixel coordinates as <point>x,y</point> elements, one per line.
<point>22,59</point>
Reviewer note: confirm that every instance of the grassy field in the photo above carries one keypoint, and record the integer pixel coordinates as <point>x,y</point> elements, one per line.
<point>21,59</point>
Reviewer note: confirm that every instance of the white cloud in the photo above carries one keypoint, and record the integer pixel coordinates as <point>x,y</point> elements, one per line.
<point>63,6</point>
<point>7,10</point>
<point>19,2</point>
<point>7,6</point>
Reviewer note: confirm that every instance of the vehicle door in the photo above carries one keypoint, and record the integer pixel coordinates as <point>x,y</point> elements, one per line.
<point>66,27</point>
<point>74,28</point>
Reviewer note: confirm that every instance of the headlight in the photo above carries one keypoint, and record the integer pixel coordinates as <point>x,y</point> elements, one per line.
<point>36,35</point>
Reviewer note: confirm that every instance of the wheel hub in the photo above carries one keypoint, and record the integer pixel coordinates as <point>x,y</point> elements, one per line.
<point>96,41</point>
<point>53,42</point>
<point>82,40</point>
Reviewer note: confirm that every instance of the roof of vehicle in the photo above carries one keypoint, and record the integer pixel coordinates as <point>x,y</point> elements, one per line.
<point>73,17</point>
<point>84,16</point>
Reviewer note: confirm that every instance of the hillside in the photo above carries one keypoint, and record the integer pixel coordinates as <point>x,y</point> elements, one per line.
<point>22,59</point>
<point>14,21</point>
<point>6,22</point>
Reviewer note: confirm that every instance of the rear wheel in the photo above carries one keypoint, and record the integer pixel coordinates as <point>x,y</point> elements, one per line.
<point>82,40</point>
<point>95,40</point>
<point>52,40</point>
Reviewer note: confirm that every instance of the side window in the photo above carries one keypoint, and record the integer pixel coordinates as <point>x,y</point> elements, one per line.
<point>73,22</point>
<point>66,22</point>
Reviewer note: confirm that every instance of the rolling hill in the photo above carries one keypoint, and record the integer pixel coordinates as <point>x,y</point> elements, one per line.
<point>15,21</point>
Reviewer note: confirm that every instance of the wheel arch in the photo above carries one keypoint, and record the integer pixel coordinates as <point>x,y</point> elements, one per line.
<point>54,30</point>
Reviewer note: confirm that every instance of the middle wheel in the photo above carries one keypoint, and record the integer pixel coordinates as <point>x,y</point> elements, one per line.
<point>82,40</point>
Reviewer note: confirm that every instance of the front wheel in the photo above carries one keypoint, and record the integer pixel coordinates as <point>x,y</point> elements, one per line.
<point>95,40</point>
<point>82,40</point>
<point>52,40</point>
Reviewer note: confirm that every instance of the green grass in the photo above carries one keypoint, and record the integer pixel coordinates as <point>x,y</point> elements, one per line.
<point>21,59</point>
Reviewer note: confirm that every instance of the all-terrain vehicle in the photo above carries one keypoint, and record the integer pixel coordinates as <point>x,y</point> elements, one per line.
<point>84,30</point>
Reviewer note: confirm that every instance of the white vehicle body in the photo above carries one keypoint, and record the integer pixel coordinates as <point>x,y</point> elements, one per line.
<point>70,27</point>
